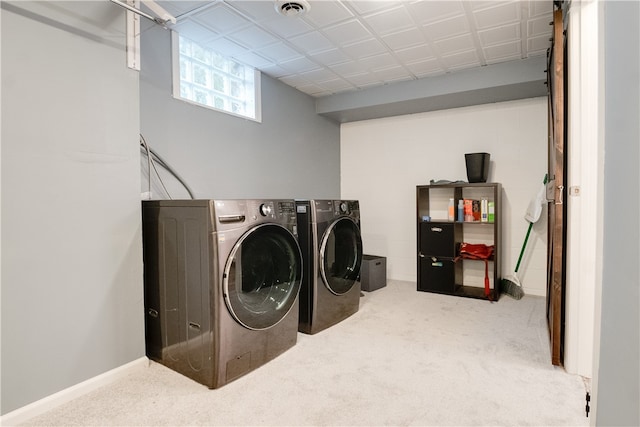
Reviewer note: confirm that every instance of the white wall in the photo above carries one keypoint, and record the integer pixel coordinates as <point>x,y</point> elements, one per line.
<point>383,160</point>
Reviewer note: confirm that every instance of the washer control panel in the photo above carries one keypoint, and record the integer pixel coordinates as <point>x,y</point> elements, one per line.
<point>266,209</point>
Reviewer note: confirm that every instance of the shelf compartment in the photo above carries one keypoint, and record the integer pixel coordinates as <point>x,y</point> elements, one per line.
<point>440,238</point>
<point>439,274</point>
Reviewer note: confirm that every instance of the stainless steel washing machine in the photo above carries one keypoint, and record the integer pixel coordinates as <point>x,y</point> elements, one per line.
<point>221,284</point>
<point>331,244</point>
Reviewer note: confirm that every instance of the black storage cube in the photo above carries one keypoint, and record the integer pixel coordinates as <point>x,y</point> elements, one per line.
<point>373,273</point>
<point>440,239</point>
<point>477,166</point>
<point>439,275</point>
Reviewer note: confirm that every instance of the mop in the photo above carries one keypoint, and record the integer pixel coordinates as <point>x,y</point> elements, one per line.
<point>510,285</point>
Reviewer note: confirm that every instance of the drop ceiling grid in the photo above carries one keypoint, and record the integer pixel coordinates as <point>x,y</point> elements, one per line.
<point>345,45</point>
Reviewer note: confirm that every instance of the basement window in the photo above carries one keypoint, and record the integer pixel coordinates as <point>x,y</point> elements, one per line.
<point>204,77</point>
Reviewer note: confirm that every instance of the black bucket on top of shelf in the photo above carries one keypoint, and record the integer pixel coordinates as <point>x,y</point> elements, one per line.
<point>477,166</point>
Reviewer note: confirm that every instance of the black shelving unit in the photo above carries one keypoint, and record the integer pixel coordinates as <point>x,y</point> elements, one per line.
<point>440,267</point>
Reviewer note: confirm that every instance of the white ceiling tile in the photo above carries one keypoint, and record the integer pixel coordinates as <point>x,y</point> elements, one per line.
<point>538,44</point>
<point>323,13</point>
<point>463,59</point>
<point>539,27</point>
<point>484,4</point>
<point>377,61</point>
<point>455,44</point>
<point>502,51</point>
<point>311,42</point>
<point>347,68</point>
<point>295,80</point>
<point>352,38</point>
<point>447,28</point>
<point>362,79</point>
<point>367,6</point>
<point>193,31</point>
<point>336,84</point>
<point>497,35</point>
<point>540,7</point>
<point>279,52</point>
<point>404,39</point>
<point>313,90</point>
<point>428,66</point>
<point>347,32</point>
<point>221,18</point>
<point>255,10</point>
<point>392,74</point>
<point>274,70</point>
<point>330,57</point>
<point>321,74</point>
<point>253,60</point>
<point>499,15</point>
<point>177,8</point>
<point>299,65</point>
<point>227,47</point>
<point>414,54</point>
<point>286,27</point>
<point>252,37</point>
<point>364,48</point>
<point>425,12</point>
<point>390,21</point>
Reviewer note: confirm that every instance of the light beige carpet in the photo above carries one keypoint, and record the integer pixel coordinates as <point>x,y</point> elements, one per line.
<point>407,358</point>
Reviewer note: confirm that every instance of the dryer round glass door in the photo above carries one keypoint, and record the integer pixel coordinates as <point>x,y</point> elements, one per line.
<point>341,255</point>
<point>262,276</point>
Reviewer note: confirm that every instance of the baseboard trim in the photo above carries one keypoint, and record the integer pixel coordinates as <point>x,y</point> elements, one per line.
<point>48,403</point>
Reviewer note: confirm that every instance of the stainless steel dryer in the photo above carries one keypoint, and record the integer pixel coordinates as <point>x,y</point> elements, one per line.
<point>329,236</point>
<point>221,283</point>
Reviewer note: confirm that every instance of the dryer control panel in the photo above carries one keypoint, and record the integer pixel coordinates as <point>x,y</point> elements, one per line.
<point>346,207</point>
<point>233,213</point>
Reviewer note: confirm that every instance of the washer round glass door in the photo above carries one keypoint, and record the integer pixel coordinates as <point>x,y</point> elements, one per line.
<point>341,255</point>
<point>262,276</point>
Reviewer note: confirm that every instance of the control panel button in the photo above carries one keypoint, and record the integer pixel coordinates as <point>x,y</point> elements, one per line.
<point>265,210</point>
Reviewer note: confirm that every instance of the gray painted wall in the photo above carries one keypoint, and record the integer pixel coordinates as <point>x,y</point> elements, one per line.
<point>293,153</point>
<point>71,244</point>
<point>506,81</point>
<point>618,375</point>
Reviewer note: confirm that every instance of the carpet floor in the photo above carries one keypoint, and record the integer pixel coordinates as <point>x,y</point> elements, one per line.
<point>406,358</point>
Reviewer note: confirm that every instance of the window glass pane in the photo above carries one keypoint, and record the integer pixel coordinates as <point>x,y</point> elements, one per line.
<point>236,89</point>
<point>236,69</point>
<point>218,82</point>
<point>200,75</point>
<point>184,68</point>
<point>185,91</point>
<point>200,54</point>
<point>185,46</point>
<point>201,96</point>
<point>218,61</point>
<point>208,78</point>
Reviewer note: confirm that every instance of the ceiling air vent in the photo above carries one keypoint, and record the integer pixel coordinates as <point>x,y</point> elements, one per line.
<point>292,8</point>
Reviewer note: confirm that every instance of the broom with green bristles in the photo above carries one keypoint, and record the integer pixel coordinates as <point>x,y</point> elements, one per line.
<point>510,285</point>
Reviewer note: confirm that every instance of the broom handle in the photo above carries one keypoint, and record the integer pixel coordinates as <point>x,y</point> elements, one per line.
<point>524,245</point>
<point>526,238</point>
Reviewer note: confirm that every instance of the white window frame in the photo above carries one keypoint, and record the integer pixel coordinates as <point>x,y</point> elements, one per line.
<point>175,59</point>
